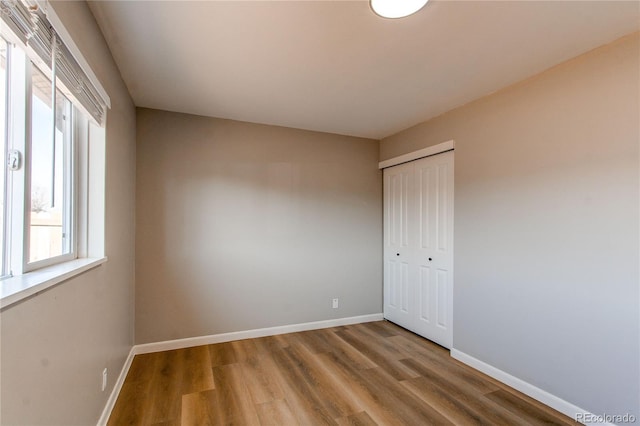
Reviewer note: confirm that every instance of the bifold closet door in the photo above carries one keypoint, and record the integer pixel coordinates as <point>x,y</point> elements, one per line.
<point>398,186</point>
<point>418,246</point>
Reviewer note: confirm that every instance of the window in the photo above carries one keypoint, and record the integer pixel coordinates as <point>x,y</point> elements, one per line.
<point>51,166</point>
<point>40,195</point>
<point>3,146</point>
<point>51,153</point>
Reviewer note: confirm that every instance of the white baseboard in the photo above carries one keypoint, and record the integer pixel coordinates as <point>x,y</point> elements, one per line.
<point>251,334</point>
<point>526,388</point>
<point>220,338</point>
<point>111,402</point>
<point>534,392</point>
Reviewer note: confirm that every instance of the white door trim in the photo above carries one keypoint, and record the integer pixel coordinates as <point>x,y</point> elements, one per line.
<point>415,155</point>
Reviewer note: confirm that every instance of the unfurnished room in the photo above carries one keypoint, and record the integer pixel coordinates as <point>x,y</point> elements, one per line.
<point>349,212</point>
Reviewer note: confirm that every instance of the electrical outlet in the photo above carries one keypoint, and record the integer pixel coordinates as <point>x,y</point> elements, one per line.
<point>104,379</point>
<point>334,304</point>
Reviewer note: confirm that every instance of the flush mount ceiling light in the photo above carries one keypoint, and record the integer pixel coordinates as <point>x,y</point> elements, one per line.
<point>396,8</point>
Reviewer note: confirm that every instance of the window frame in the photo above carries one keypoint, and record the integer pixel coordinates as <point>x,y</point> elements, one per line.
<point>17,130</point>
<point>4,144</point>
<point>88,176</point>
<point>18,182</point>
<point>71,202</point>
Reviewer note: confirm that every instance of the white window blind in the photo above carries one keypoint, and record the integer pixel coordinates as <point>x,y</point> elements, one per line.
<point>29,23</point>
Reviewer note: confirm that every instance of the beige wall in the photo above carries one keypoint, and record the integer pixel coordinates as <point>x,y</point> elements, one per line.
<point>55,344</point>
<point>546,227</point>
<point>243,226</point>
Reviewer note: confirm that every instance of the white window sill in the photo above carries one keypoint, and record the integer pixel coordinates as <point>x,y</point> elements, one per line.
<point>15,289</point>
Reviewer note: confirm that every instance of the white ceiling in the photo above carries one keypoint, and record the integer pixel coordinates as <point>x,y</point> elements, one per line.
<point>335,66</point>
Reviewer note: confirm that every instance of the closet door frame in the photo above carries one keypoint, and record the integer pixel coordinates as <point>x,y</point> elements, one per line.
<point>391,263</point>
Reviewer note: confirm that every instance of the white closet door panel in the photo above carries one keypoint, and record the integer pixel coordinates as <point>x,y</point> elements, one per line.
<point>444,210</point>
<point>424,295</point>
<point>442,299</point>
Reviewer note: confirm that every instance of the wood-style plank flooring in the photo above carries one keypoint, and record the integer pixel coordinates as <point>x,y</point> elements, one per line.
<point>363,374</point>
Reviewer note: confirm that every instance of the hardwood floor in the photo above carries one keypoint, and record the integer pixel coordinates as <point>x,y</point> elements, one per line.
<point>364,374</point>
